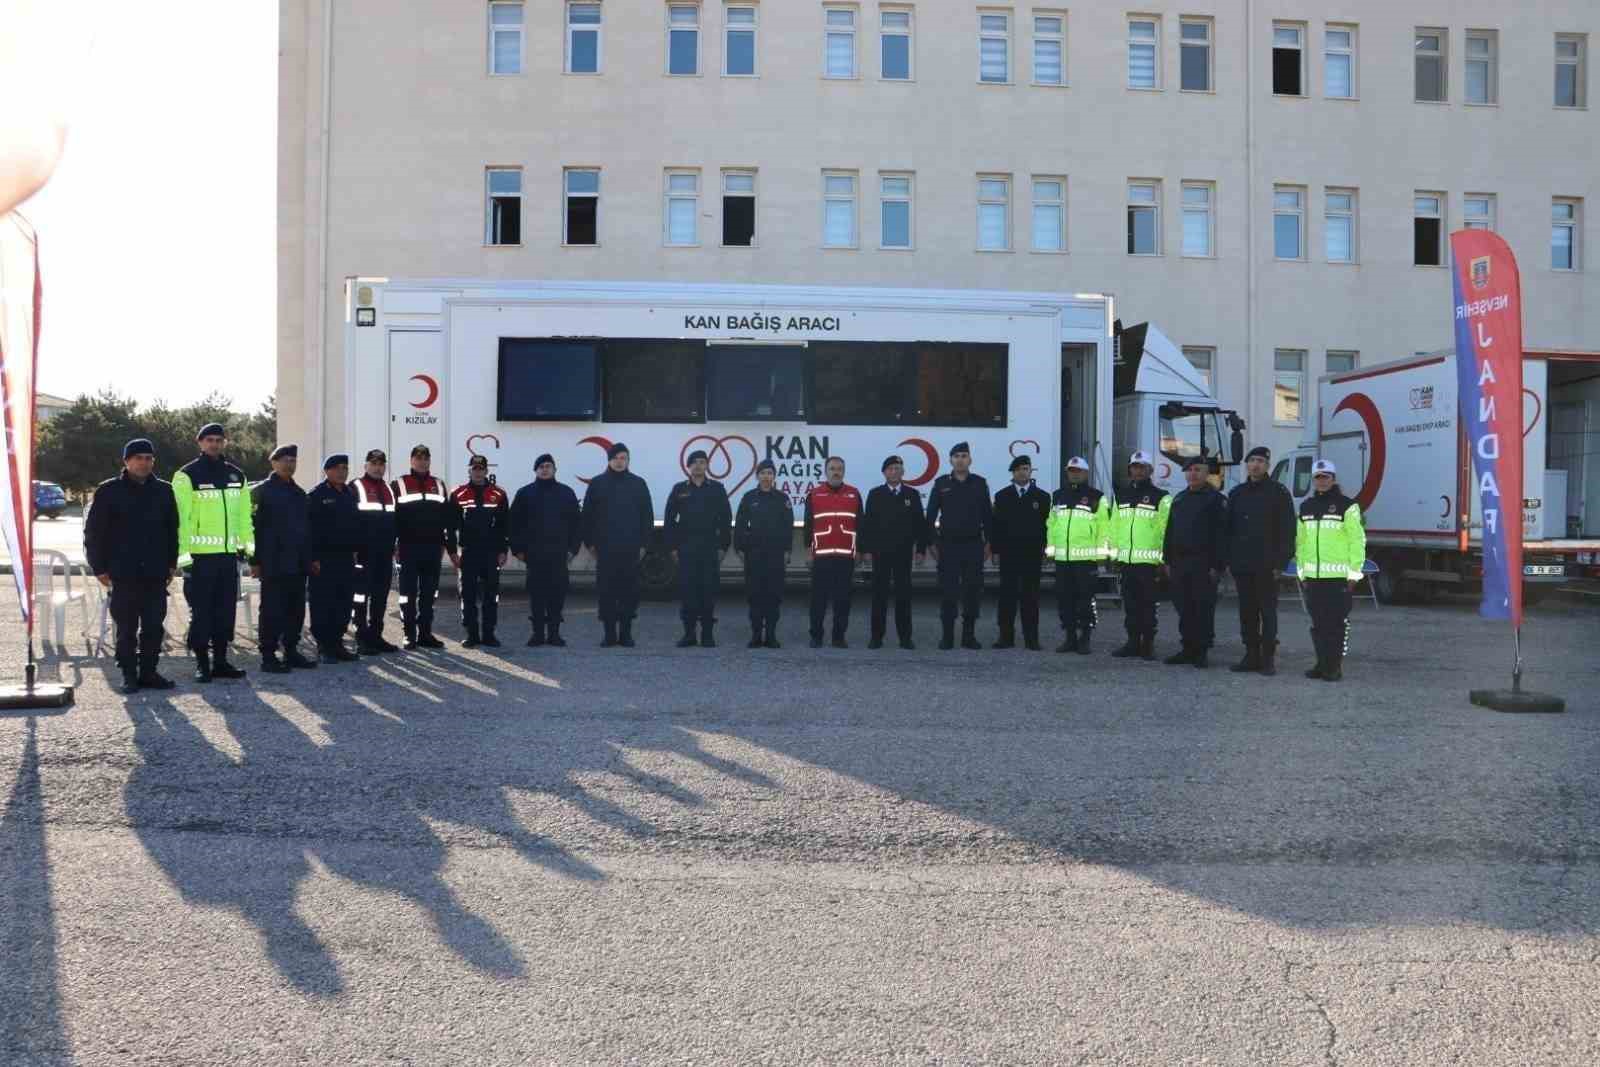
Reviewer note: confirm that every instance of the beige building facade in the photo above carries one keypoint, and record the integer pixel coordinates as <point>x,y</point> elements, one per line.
<point>1272,184</point>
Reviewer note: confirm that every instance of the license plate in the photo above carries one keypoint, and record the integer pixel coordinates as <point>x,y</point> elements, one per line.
<point>1540,569</point>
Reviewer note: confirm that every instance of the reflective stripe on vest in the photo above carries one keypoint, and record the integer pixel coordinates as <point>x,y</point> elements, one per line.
<point>366,503</point>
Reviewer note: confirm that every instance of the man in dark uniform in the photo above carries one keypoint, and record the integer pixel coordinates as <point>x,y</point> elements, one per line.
<point>130,542</point>
<point>893,531</point>
<point>698,528</point>
<point>335,539</point>
<point>1021,511</point>
<point>545,534</point>
<point>422,533</point>
<point>1261,534</point>
<point>480,517</point>
<point>375,557</point>
<point>763,534</point>
<point>832,515</point>
<point>1195,550</point>
<point>282,561</point>
<point>960,518</point>
<point>617,521</point>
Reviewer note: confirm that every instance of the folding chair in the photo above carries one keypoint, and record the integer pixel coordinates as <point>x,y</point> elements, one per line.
<point>1368,569</point>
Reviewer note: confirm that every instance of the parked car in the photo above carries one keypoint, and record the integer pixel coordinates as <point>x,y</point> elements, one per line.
<point>49,500</point>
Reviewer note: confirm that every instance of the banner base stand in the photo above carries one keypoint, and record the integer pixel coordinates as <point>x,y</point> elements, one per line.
<point>38,695</point>
<point>1517,700</point>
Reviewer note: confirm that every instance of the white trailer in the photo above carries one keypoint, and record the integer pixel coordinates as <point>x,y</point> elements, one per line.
<point>795,374</point>
<point>1395,434</point>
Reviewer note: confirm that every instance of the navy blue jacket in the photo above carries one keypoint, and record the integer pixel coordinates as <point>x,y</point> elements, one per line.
<point>545,520</point>
<point>283,528</point>
<point>131,530</point>
<point>336,531</point>
<point>617,513</point>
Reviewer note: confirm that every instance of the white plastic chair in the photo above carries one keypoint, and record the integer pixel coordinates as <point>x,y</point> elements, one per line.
<point>249,589</point>
<point>1368,569</point>
<point>55,593</point>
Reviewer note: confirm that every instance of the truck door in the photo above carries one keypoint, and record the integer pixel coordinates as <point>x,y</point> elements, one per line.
<point>416,399</point>
<point>1078,364</point>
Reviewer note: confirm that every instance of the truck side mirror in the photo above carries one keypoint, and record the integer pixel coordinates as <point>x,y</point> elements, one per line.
<point>1236,445</point>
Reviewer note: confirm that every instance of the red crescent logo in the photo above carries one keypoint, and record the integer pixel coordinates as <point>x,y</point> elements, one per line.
<point>605,446</point>
<point>433,390</point>
<point>929,451</point>
<point>1012,448</point>
<point>719,461</point>
<point>1362,405</point>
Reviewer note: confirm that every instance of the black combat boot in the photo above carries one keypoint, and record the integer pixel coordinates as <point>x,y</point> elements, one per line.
<point>220,667</point>
<point>1183,655</point>
<point>1251,661</point>
<point>130,680</point>
<point>1333,670</point>
<point>536,638</point>
<point>1130,648</point>
<point>271,664</point>
<point>948,639</point>
<point>1083,641</point>
<point>1269,656</point>
<point>707,638</point>
<point>1069,641</point>
<point>151,679</point>
<point>1007,638</point>
<point>1030,638</point>
<point>969,636</point>
<point>839,641</point>
<point>554,637</point>
<point>293,658</point>
<point>472,640</point>
<point>756,640</point>
<point>772,634</point>
<point>202,665</point>
<point>426,639</point>
<point>875,641</point>
<point>1200,659</point>
<point>688,640</point>
<point>610,638</point>
<point>625,633</point>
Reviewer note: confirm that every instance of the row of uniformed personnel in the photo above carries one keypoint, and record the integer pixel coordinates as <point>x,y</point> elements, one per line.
<point>340,542</point>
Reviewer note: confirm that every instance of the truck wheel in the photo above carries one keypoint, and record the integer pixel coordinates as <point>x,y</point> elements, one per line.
<point>658,573</point>
<point>1388,588</point>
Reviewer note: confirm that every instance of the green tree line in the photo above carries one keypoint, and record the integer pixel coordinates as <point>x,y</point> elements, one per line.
<point>82,446</point>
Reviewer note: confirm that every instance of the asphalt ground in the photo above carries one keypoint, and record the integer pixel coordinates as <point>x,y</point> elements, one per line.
<point>707,856</point>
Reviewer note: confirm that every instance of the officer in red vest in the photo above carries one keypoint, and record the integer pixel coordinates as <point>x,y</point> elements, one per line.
<point>833,512</point>
<point>375,559</point>
<point>424,533</point>
<point>480,516</point>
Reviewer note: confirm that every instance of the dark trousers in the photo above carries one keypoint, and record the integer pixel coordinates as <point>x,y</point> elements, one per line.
<point>830,587</point>
<point>1019,586</point>
<point>763,585</point>
<point>282,612</point>
<point>479,584</point>
<point>373,577</point>
<point>891,570</point>
<point>1194,594</point>
<point>547,587</point>
<point>212,589</point>
<point>960,579</point>
<point>419,585</point>
<point>1328,601</point>
<point>332,592</point>
<point>1076,585</point>
<point>699,577</point>
<point>139,608</point>
<point>1139,599</point>
<point>616,583</point>
<point>1258,608</point>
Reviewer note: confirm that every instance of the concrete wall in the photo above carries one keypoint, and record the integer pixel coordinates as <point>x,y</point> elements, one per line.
<point>415,118</point>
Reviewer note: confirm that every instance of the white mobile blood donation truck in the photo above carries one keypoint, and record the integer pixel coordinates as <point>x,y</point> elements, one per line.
<point>745,373</point>
<point>1395,434</point>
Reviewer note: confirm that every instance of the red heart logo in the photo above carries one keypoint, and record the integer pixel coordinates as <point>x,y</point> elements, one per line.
<point>720,462</point>
<point>1014,450</point>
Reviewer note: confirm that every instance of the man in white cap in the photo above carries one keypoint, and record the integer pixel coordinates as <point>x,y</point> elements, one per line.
<point>1330,549</point>
<point>1079,535</point>
<point>1138,530</point>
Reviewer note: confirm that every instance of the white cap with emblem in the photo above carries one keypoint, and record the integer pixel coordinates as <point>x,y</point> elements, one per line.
<point>1324,466</point>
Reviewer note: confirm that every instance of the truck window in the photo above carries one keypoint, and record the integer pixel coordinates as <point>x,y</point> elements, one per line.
<point>1302,476</point>
<point>756,382</point>
<point>1196,433</point>
<point>653,380</point>
<point>1280,473</point>
<point>857,383</point>
<point>547,380</point>
<point>961,384</point>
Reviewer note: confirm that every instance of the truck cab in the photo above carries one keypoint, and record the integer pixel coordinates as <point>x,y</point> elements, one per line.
<point>1162,406</point>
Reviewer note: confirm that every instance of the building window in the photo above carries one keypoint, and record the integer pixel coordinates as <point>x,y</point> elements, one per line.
<point>739,41</point>
<point>1203,360</point>
<point>994,48</point>
<point>582,223</point>
<point>1339,225</point>
<point>739,208</point>
<point>894,204</point>
<point>583,38</point>
<point>1477,211</point>
<point>1564,218</point>
<point>1339,62</point>
<point>1194,52</point>
<point>839,60</point>
<point>1049,214</point>
<point>1342,362</point>
<point>838,210</point>
<point>1571,49</point>
<point>1483,67</point>
<point>1432,71</point>
<point>504,224</point>
<point>1049,50</point>
<point>894,31</point>
<point>994,213</point>
<point>505,38</point>
<point>683,207</point>
<point>1199,222</point>
<point>1427,229</point>
<point>1288,222</point>
<point>1288,59</point>
<point>1144,53</point>
<point>683,39</point>
<point>1144,218</point>
<point>1288,385</point>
